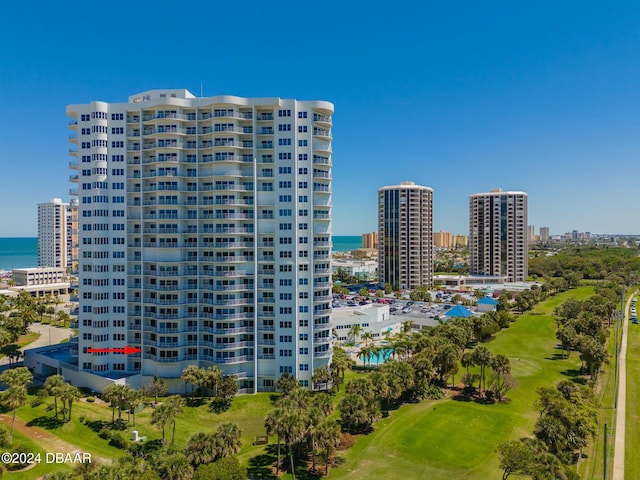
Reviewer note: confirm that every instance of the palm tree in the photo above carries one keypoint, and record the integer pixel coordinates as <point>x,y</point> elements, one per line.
<point>175,467</point>
<point>366,353</point>
<point>191,375</point>
<point>201,448</point>
<point>134,400</point>
<point>467,361</point>
<point>482,357</point>
<point>175,404</point>
<point>14,397</point>
<point>16,376</point>
<point>293,432</point>
<point>367,337</point>
<point>69,395</point>
<point>327,438</point>
<point>355,332</point>
<point>160,417</point>
<point>228,439</point>
<point>212,377</point>
<point>54,386</point>
<point>273,426</point>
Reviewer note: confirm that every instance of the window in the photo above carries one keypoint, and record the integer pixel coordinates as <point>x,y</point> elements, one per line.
<point>303,226</point>
<point>303,240</point>
<point>302,129</point>
<point>286,310</point>
<point>284,141</point>
<point>284,198</point>
<point>302,114</point>
<point>285,254</point>
<point>302,143</point>
<point>303,198</point>
<point>303,156</point>
<point>304,367</point>
<point>284,170</point>
<point>286,338</point>
<point>285,268</point>
<point>285,369</point>
<point>285,282</point>
<point>303,309</point>
<point>286,184</point>
<point>303,212</point>
<point>304,337</point>
<point>303,268</point>
<point>284,127</point>
<point>285,212</point>
<point>285,226</point>
<point>303,171</point>
<point>303,254</point>
<point>304,351</point>
<point>284,113</point>
<point>286,353</point>
<point>284,156</point>
<point>286,296</point>
<point>286,324</point>
<point>303,281</point>
<point>117,116</point>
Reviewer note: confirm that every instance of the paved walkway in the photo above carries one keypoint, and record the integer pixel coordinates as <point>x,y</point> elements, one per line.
<point>621,412</point>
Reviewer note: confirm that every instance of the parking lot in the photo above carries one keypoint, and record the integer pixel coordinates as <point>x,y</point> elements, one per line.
<point>427,313</point>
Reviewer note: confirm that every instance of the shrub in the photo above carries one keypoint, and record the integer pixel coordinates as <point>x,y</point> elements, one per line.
<point>19,449</point>
<point>91,399</point>
<point>119,440</point>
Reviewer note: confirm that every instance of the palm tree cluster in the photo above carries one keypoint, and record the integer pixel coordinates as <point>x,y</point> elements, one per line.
<point>15,396</point>
<point>301,421</point>
<point>222,387</point>
<point>123,398</point>
<point>583,326</point>
<point>568,421</point>
<point>203,448</point>
<point>56,386</point>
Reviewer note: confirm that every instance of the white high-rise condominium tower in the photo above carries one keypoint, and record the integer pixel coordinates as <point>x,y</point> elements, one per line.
<point>405,235</point>
<point>498,234</point>
<point>55,239</point>
<point>205,235</point>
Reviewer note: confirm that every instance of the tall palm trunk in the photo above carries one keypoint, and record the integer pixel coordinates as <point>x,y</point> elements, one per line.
<point>278,462</point>
<point>13,421</point>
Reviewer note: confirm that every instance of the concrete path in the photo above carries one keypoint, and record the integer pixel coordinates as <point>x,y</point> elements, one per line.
<point>621,412</point>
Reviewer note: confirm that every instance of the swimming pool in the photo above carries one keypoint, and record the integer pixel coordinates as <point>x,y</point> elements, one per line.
<point>378,357</point>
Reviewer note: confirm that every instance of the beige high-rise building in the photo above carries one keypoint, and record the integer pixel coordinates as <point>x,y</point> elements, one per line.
<point>498,234</point>
<point>461,240</point>
<point>370,240</point>
<point>405,227</point>
<point>443,240</point>
<point>544,234</point>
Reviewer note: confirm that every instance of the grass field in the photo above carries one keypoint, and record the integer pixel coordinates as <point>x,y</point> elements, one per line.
<point>457,440</point>
<point>632,424</point>
<point>449,438</point>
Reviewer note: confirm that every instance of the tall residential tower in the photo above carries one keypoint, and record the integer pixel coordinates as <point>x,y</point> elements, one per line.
<point>55,233</point>
<point>205,235</point>
<point>405,242</point>
<point>498,234</point>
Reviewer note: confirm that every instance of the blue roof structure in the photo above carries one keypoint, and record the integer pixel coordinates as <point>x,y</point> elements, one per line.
<point>487,301</point>
<point>459,311</point>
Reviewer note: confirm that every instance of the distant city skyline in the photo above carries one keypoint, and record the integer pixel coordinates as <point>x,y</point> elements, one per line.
<point>461,98</point>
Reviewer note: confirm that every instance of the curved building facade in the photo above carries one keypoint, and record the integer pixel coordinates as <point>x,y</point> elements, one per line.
<point>205,235</point>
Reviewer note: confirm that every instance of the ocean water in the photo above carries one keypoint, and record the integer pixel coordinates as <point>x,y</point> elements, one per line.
<point>18,253</point>
<point>23,252</point>
<point>345,243</point>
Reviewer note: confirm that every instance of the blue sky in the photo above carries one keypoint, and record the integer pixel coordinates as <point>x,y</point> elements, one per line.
<point>459,96</point>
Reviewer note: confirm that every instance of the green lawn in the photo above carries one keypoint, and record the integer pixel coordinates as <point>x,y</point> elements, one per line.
<point>435,439</point>
<point>457,440</point>
<point>247,411</point>
<point>632,426</point>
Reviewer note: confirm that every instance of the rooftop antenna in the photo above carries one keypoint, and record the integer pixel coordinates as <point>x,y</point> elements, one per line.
<point>201,91</point>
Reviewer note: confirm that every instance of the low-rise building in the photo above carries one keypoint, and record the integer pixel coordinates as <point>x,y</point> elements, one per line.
<point>372,318</point>
<point>39,281</point>
<point>363,269</point>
